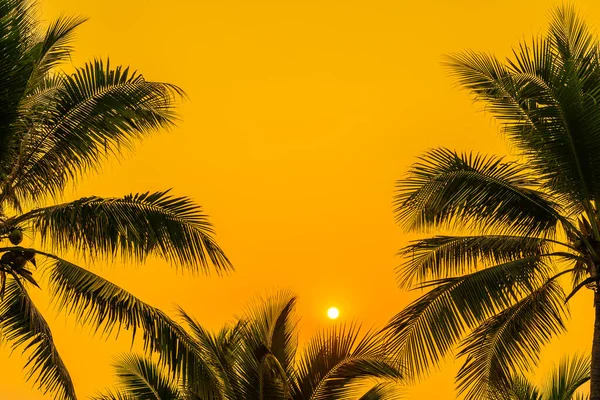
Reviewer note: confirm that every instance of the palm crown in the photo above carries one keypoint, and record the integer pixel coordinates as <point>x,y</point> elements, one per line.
<point>55,126</point>
<point>498,292</point>
<point>255,359</point>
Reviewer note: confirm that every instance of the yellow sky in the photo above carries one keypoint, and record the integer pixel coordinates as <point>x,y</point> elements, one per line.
<point>302,114</point>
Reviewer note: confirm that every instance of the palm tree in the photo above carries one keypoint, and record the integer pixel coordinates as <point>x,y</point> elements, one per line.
<point>255,359</point>
<point>512,230</point>
<point>562,384</point>
<point>54,127</point>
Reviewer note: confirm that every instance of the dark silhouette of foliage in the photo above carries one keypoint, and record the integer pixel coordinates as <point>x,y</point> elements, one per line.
<point>520,231</point>
<point>568,376</point>
<point>255,359</point>
<point>54,127</point>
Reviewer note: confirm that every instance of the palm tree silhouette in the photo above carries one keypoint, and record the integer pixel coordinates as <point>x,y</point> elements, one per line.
<point>54,127</point>
<point>497,292</point>
<point>255,359</point>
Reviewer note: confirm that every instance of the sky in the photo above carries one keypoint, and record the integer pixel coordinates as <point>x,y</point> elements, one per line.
<point>301,116</point>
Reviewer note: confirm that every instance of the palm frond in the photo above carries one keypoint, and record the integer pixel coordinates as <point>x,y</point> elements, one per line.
<point>579,274</point>
<point>17,32</point>
<point>570,37</point>
<point>567,377</point>
<point>551,86</point>
<point>273,322</point>
<point>220,352</point>
<point>335,364</point>
<point>105,306</point>
<point>56,47</point>
<point>36,101</point>
<point>446,189</point>
<point>24,326</point>
<point>97,112</point>
<point>135,226</point>
<point>265,363</point>
<point>441,257</point>
<point>427,329</point>
<point>507,343</point>
<point>142,378</point>
<point>520,388</point>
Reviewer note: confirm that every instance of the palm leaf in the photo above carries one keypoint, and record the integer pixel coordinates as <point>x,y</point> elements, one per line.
<point>570,36</point>
<point>483,193</point>
<point>567,377</point>
<point>272,322</point>
<point>24,326</point>
<point>96,113</point>
<point>510,341</point>
<point>106,306</point>
<point>427,329</point>
<point>221,352</point>
<point>135,226</point>
<point>55,47</point>
<point>551,86</point>
<point>142,378</point>
<point>336,363</point>
<point>16,38</point>
<point>265,363</point>
<point>441,257</point>
<point>519,389</point>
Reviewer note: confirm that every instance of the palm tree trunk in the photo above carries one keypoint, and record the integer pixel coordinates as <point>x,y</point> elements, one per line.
<point>595,373</point>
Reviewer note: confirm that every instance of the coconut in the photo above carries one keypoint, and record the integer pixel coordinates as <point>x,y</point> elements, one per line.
<point>19,262</point>
<point>8,257</point>
<point>15,236</point>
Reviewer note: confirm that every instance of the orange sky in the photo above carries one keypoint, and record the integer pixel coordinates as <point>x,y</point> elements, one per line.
<point>302,114</point>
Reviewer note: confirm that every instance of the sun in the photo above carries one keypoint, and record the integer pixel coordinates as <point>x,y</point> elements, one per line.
<point>333,313</point>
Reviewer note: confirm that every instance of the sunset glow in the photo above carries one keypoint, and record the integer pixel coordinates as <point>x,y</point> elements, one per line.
<point>298,120</point>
